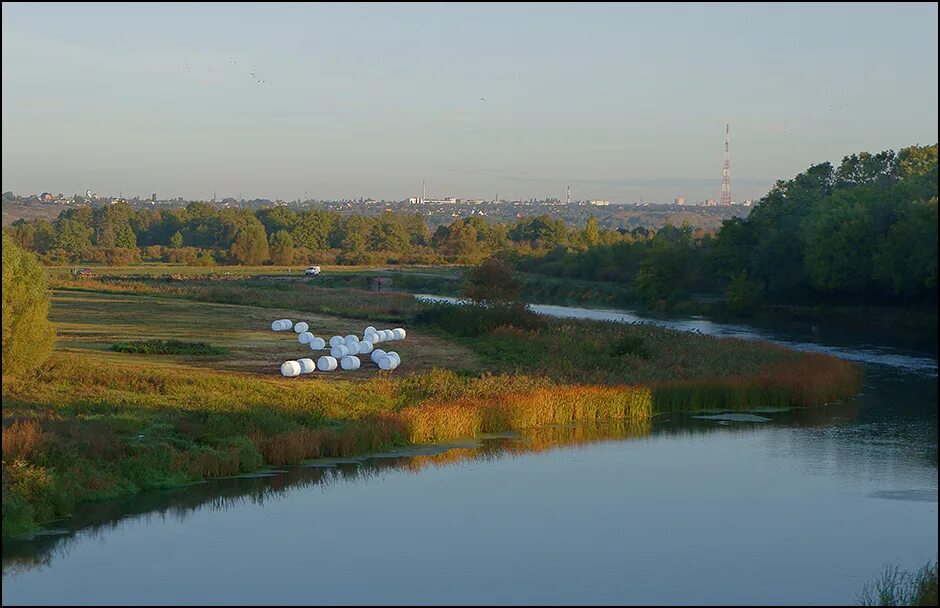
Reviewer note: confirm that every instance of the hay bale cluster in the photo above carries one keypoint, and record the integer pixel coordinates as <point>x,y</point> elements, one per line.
<point>344,350</point>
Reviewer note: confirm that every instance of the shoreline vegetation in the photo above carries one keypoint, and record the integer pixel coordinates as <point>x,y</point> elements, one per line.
<point>91,423</point>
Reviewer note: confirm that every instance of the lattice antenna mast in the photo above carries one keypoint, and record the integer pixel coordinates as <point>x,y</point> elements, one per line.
<point>726,170</point>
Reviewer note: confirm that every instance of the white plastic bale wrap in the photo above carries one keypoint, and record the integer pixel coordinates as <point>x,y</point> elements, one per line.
<point>317,344</point>
<point>372,337</point>
<point>281,325</point>
<point>290,368</point>
<point>339,351</point>
<point>387,334</point>
<point>377,354</point>
<point>301,327</point>
<point>337,340</point>
<point>350,362</point>
<point>306,365</point>
<point>365,347</point>
<point>369,330</point>
<point>326,363</point>
<point>399,333</point>
<point>395,356</point>
<point>304,337</point>
<point>352,343</point>
<point>388,363</point>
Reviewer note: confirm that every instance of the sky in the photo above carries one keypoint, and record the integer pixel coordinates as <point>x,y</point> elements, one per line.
<point>621,102</point>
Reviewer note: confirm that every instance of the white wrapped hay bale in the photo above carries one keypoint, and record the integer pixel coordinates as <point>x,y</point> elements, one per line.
<point>352,343</point>
<point>377,354</point>
<point>369,330</point>
<point>388,363</point>
<point>339,351</point>
<point>290,369</point>
<point>372,337</point>
<point>399,333</point>
<point>395,356</point>
<point>326,363</point>
<point>301,327</point>
<point>337,340</point>
<point>365,347</point>
<point>281,325</point>
<point>306,365</point>
<point>350,362</point>
<point>304,337</point>
<point>317,344</point>
<point>387,334</point>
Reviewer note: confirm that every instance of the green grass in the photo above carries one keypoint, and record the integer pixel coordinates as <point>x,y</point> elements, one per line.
<point>167,347</point>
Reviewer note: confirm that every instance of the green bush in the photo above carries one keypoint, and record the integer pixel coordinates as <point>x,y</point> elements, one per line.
<point>28,336</point>
<point>167,347</point>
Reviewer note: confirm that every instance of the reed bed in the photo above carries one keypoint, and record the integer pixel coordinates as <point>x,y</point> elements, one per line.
<point>561,405</point>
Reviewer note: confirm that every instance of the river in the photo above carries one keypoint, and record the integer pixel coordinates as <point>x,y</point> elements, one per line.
<point>775,507</point>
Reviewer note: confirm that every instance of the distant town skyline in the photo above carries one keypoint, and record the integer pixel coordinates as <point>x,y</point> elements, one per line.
<point>621,102</point>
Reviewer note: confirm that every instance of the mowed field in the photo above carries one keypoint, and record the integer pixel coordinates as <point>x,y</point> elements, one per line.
<point>91,322</point>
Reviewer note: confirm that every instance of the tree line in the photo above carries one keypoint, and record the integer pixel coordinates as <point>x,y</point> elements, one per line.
<point>202,234</point>
<point>865,231</point>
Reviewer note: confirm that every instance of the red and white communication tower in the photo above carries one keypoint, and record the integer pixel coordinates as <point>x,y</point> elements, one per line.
<point>725,198</point>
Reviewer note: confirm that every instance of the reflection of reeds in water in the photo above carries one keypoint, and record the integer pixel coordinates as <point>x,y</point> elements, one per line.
<point>96,519</point>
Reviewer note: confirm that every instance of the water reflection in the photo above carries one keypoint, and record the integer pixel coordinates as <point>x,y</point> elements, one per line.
<point>97,520</point>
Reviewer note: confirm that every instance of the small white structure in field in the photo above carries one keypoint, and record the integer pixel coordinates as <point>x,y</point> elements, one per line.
<point>290,368</point>
<point>317,344</point>
<point>399,333</point>
<point>306,365</point>
<point>326,364</point>
<point>336,340</point>
<point>282,325</point>
<point>350,362</point>
<point>339,351</point>
<point>301,327</point>
<point>304,337</point>
<point>365,347</point>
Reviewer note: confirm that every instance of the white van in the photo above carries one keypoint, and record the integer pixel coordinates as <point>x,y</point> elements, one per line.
<point>313,270</point>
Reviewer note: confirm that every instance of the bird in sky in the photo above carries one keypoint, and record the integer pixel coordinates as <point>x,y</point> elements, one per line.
<point>483,99</point>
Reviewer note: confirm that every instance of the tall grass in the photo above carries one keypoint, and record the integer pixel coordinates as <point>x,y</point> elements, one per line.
<point>896,587</point>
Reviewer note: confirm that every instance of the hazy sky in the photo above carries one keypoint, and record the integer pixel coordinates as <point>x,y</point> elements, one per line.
<point>620,101</point>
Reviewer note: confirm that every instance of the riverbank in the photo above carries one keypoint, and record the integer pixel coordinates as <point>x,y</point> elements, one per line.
<point>94,424</point>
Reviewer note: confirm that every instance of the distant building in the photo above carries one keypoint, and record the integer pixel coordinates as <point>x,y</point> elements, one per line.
<point>599,202</point>
<point>680,200</point>
<point>153,197</point>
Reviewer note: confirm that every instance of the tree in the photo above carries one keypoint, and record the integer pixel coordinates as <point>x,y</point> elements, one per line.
<point>492,283</point>
<point>663,272</point>
<point>592,233</point>
<point>28,336</point>
<point>73,237</point>
<point>251,244</point>
<point>176,241</point>
<point>906,258</point>
<point>282,248</point>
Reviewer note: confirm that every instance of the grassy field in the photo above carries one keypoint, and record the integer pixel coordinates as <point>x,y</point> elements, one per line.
<point>94,423</point>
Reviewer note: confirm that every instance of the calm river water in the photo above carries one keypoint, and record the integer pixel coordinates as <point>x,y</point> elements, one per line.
<point>778,507</point>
